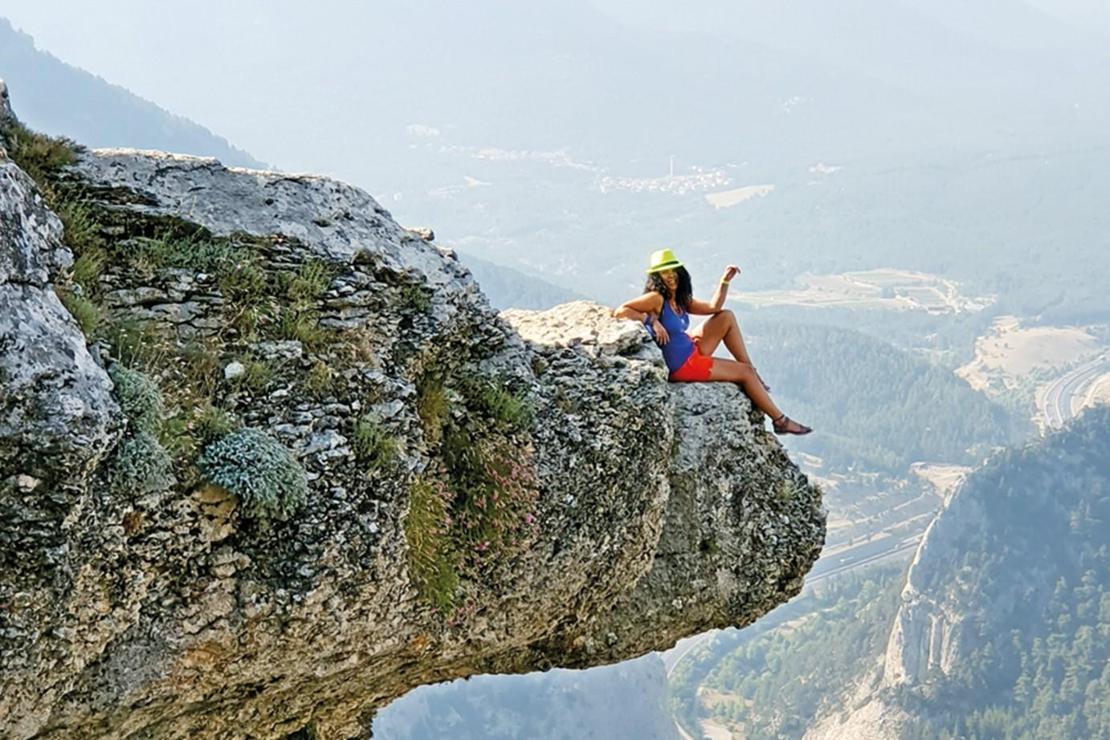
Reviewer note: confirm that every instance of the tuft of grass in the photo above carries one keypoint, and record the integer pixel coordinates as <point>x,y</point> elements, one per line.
<point>414,296</point>
<point>432,408</point>
<point>430,555</point>
<point>309,283</point>
<point>196,427</point>
<point>81,229</point>
<point>319,380</point>
<point>243,282</point>
<point>87,269</point>
<point>372,444</point>
<point>171,249</point>
<point>211,423</point>
<point>495,401</point>
<point>257,375</point>
<point>303,326</point>
<point>137,344</point>
<point>40,156</point>
<point>200,367</point>
<point>87,314</point>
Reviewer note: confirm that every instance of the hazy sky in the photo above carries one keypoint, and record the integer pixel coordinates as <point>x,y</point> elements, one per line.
<point>772,87</point>
<point>217,62</point>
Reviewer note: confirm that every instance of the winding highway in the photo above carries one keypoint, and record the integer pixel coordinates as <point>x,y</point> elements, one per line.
<point>1058,399</point>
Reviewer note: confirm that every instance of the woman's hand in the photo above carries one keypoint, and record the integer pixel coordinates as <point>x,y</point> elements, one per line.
<point>730,272</point>
<point>661,334</point>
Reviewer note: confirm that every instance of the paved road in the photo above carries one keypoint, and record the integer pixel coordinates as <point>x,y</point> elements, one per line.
<point>1056,401</point>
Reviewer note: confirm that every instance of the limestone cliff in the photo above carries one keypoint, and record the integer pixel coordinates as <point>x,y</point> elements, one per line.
<point>269,460</point>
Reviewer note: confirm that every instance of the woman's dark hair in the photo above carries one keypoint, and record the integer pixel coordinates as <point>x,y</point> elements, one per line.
<point>683,294</point>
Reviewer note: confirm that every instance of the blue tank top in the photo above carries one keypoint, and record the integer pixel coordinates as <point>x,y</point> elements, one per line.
<point>679,346</point>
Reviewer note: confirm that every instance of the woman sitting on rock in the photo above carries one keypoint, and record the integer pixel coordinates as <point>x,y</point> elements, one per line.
<point>665,310</point>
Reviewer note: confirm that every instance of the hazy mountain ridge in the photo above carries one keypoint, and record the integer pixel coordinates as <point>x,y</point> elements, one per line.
<point>63,100</point>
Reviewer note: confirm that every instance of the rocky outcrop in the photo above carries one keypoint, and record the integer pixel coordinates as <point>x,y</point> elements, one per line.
<point>451,495</point>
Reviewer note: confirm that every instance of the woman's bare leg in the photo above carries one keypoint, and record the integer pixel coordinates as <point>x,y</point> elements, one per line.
<point>748,379</point>
<point>744,374</point>
<point>722,327</point>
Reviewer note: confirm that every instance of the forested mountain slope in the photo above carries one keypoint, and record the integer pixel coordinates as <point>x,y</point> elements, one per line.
<point>1002,630</point>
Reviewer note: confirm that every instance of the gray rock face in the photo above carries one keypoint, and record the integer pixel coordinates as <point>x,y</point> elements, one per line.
<point>650,511</point>
<point>57,416</point>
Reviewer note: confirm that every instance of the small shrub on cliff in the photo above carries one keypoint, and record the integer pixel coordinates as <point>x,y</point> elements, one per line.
<point>139,397</point>
<point>320,380</point>
<point>302,324</point>
<point>415,297</point>
<point>87,268</point>
<point>309,283</point>
<point>495,501</point>
<point>254,466</point>
<point>141,466</point>
<point>142,344</point>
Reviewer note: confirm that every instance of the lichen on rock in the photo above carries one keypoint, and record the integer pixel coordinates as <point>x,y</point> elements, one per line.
<point>458,491</point>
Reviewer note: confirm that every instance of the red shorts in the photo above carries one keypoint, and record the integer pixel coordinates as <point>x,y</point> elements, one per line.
<point>696,368</point>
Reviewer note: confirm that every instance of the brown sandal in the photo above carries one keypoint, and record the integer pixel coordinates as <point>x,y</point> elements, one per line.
<point>785,425</point>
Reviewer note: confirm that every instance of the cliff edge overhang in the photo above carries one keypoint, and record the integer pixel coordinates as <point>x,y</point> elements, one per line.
<point>269,460</point>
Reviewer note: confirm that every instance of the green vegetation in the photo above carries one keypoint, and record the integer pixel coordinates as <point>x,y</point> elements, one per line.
<point>257,376</point>
<point>372,444</point>
<point>497,402</point>
<point>1027,579</point>
<point>877,406</point>
<point>139,397</point>
<point>487,487</point>
<point>432,559</point>
<point>87,269</point>
<point>140,466</point>
<point>320,379</point>
<point>1033,586</point>
<point>87,314</point>
<point>416,297</point>
<point>40,156</point>
<point>432,408</point>
<point>249,463</point>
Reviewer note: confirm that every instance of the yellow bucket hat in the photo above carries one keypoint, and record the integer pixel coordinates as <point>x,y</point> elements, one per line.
<point>663,259</point>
